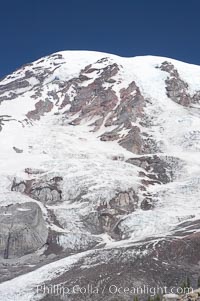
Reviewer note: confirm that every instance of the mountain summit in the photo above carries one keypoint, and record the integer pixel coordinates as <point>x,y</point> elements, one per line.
<point>99,175</point>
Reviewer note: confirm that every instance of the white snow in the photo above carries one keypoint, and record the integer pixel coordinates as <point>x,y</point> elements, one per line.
<point>24,288</point>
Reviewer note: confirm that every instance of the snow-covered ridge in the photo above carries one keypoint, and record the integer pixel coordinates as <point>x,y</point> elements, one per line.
<point>74,61</point>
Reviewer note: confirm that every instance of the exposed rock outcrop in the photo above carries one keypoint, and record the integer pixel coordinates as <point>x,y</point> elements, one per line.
<point>23,230</point>
<point>42,190</point>
<point>177,89</point>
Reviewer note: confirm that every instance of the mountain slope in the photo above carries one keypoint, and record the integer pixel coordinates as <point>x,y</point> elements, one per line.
<point>100,171</point>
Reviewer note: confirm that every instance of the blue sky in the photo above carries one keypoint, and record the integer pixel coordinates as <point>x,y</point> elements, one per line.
<point>34,28</point>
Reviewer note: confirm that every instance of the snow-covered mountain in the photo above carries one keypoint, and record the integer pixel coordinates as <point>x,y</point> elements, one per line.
<point>99,175</point>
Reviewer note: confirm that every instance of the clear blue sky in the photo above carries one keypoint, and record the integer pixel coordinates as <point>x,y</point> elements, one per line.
<point>30,29</point>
